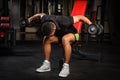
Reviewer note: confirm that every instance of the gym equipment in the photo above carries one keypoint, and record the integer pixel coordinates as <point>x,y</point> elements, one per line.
<point>95,29</point>
<point>2,34</point>
<point>101,29</point>
<point>5,26</point>
<point>4,19</point>
<point>24,22</point>
<point>81,53</point>
<point>5,22</point>
<point>79,8</point>
<point>7,33</point>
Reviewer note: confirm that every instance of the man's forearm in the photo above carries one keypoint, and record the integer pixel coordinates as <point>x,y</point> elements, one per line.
<point>85,20</point>
<point>36,16</point>
<point>81,18</point>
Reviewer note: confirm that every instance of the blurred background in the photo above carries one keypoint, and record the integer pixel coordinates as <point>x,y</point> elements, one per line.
<point>104,12</point>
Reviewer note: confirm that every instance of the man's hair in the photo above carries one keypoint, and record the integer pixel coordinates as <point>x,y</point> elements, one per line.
<point>46,28</point>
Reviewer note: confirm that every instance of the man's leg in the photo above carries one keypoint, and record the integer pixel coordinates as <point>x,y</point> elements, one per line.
<point>47,51</point>
<point>66,41</point>
<point>47,46</point>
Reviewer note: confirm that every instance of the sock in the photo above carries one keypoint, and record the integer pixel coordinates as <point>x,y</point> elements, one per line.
<point>66,64</point>
<point>47,61</point>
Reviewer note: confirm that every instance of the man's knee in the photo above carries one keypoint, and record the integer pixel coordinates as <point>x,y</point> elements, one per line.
<point>51,39</point>
<point>65,40</point>
<point>68,39</point>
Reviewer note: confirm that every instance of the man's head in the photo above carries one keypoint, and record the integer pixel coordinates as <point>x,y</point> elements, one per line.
<point>48,28</point>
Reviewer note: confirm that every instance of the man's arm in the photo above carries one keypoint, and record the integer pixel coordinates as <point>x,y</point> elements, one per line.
<point>36,16</point>
<point>81,18</point>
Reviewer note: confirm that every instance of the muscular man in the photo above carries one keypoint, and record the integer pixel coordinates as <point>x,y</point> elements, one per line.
<point>58,29</point>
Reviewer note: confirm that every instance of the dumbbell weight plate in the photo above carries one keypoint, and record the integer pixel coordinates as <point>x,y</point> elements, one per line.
<point>22,23</point>
<point>100,29</point>
<point>93,29</point>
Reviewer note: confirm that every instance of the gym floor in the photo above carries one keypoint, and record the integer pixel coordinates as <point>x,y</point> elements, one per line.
<point>20,62</point>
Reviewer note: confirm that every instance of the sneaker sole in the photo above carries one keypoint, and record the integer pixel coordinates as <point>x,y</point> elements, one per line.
<point>43,70</point>
<point>63,75</point>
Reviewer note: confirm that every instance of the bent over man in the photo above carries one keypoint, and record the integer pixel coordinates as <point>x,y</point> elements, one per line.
<point>58,29</point>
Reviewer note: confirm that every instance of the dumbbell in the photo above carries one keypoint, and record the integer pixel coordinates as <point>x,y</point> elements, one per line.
<point>24,22</point>
<point>5,22</point>
<point>95,29</point>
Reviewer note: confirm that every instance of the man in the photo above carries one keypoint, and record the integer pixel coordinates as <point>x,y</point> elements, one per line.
<point>58,29</point>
